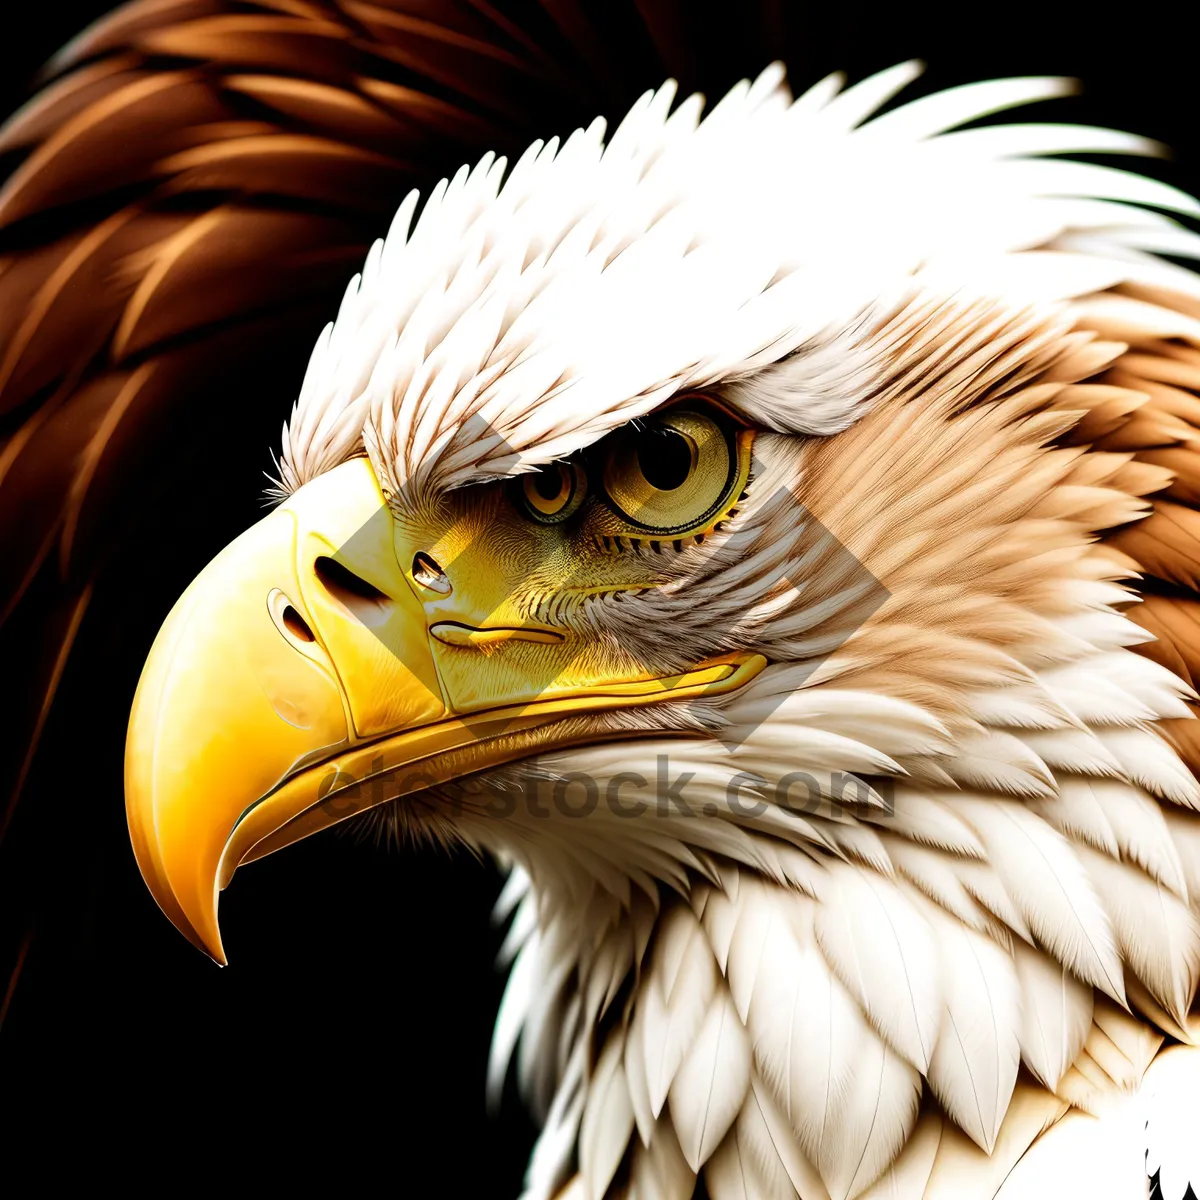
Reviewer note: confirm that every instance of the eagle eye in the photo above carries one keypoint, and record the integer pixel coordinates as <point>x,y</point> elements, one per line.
<point>552,494</point>
<point>673,473</point>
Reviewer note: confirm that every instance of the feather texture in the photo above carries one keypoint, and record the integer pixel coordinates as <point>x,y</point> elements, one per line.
<point>974,1064</point>
<point>849,1099</point>
<point>1050,889</point>
<point>1056,1013</point>
<point>997,386</point>
<point>1158,934</point>
<point>883,951</point>
<point>707,1093</point>
<point>607,1119</point>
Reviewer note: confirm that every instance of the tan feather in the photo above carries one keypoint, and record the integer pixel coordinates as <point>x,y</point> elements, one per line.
<point>884,953</point>
<point>607,1125</point>
<point>1050,888</point>
<point>708,1090</point>
<point>1056,1013</point>
<point>974,1064</point>
<point>1158,934</point>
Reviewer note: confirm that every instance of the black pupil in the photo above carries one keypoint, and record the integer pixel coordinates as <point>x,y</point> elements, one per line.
<point>549,484</point>
<point>665,459</point>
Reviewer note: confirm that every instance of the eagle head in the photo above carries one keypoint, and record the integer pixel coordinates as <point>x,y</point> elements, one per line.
<point>730,526</point>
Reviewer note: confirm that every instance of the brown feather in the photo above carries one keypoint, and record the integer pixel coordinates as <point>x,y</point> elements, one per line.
<point>69,318</point>
<point>62,101</point>
<point>296,166</point>
<point>1164,432</point>
<point>111,144</point>
<point>118,29</point>
<point>142,291</point>
<point>203,275</point>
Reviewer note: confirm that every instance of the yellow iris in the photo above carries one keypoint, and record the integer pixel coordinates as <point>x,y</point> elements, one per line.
<point>672,475</point>
<point>555,492</point>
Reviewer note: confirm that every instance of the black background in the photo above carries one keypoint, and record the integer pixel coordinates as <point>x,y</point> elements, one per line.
<point>346,1044</point>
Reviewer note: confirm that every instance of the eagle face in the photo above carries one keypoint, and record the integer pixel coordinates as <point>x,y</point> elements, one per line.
<point>763,449</point>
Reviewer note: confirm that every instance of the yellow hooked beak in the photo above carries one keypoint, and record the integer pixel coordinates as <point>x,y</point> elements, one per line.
<point>321,653</point>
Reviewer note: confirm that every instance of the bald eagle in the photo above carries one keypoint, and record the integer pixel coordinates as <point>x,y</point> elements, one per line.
<point>767,532</point>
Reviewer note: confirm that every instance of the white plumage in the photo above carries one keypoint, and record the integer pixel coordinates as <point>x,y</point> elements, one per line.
<point>826,1002</point>
<point>766,228</point>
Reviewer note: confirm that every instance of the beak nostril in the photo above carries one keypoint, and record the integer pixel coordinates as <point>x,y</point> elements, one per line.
<point>297,626</point>
<point>363,600</point>
<point>344,584</point>
<point>428,574</point>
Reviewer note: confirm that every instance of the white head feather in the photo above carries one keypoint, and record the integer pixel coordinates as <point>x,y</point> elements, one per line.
<point>597,279</point>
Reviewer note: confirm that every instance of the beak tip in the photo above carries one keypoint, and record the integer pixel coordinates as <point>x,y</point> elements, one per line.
<point>210,945</point>
<point>212,950</point>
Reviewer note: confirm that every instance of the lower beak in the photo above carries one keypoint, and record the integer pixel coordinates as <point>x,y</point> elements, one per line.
<point>284,694</point>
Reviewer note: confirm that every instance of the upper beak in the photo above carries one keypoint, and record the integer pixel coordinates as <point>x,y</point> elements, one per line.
<point>275,689</point>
